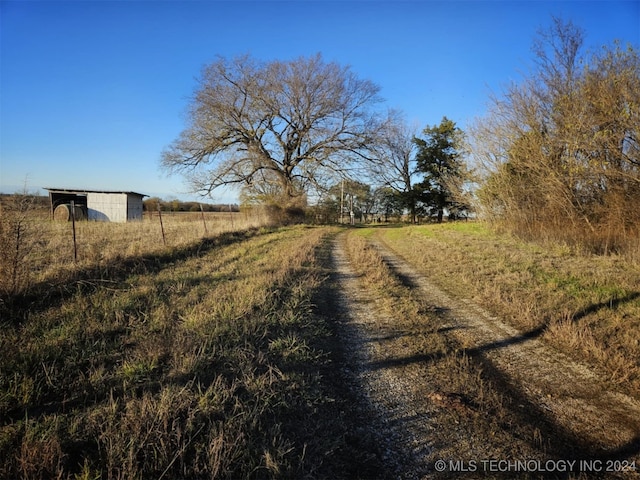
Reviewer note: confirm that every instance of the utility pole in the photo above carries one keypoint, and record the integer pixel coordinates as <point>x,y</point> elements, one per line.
<point>342,200</point>
<point>351,212</point>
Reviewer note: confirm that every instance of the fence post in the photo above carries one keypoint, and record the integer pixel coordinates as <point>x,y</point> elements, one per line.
<point>73,227</point>
<point>164,240</point>
<point>203,221</point>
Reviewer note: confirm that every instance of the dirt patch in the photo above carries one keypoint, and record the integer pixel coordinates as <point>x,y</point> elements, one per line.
<point>524,402</point>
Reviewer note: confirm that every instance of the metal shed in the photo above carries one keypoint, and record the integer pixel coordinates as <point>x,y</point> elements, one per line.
<point>99,205</point>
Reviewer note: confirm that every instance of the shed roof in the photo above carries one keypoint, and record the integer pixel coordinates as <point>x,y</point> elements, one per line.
<point>82,190</point>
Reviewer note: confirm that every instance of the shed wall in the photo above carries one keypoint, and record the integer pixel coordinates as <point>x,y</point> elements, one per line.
<point>134,207</point>
<point>108,207</point>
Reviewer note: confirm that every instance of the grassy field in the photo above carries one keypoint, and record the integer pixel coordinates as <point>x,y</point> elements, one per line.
<point>585,305</point>
<point>210,355</point>
<point>490,421</point>
<point>195,361</point>
<point>37,249</point>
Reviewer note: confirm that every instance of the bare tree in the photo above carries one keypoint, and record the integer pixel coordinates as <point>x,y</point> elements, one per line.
<point>273,127</point>
<point>393,163</point>
<point>561,148</point>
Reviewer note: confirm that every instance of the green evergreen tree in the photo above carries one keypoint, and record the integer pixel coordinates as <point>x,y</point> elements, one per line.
<point>440,160</point>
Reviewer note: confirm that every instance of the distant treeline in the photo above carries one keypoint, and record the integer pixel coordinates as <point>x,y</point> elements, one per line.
<point>151,205</point>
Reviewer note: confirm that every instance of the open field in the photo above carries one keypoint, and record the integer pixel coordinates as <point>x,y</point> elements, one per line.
<point>586,305</point>
<point>223,355</point>
<point>46,248</point>
<point>198,362</point>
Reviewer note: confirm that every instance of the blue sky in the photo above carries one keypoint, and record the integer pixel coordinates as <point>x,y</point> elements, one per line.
<point>92,91</point>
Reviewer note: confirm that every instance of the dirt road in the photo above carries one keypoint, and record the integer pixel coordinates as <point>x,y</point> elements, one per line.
<point>535,413</point>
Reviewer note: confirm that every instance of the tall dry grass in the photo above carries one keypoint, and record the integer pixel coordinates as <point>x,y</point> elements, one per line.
<point>19,243</point>
<point>36,251</point>
<point>200,361</point>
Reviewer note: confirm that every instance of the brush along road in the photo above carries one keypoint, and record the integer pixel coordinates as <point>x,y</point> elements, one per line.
<point>462,395</point>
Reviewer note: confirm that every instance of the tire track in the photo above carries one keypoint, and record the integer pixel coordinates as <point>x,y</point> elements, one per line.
<point>579,416</point>
<point>575,398</point>
<point>402,414</point>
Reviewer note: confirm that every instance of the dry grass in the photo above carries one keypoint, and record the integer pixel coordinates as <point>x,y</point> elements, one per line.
<point>102,242</point>
<point>35,249</point>
<point>199,361</point>
<point>589,305</point>
<point>203,358</point>
<point>475,414</point>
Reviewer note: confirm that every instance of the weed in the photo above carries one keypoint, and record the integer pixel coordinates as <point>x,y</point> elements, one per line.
<point>19,238</point>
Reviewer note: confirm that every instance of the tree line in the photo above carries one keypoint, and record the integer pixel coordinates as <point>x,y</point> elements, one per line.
<point>560,151</point>
<point>418,178</point>
<point>556,156</point>
<point>42,202</point>
<point>151,205</point>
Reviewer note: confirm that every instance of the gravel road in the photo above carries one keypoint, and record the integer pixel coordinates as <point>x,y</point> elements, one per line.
<point>584,417</point>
